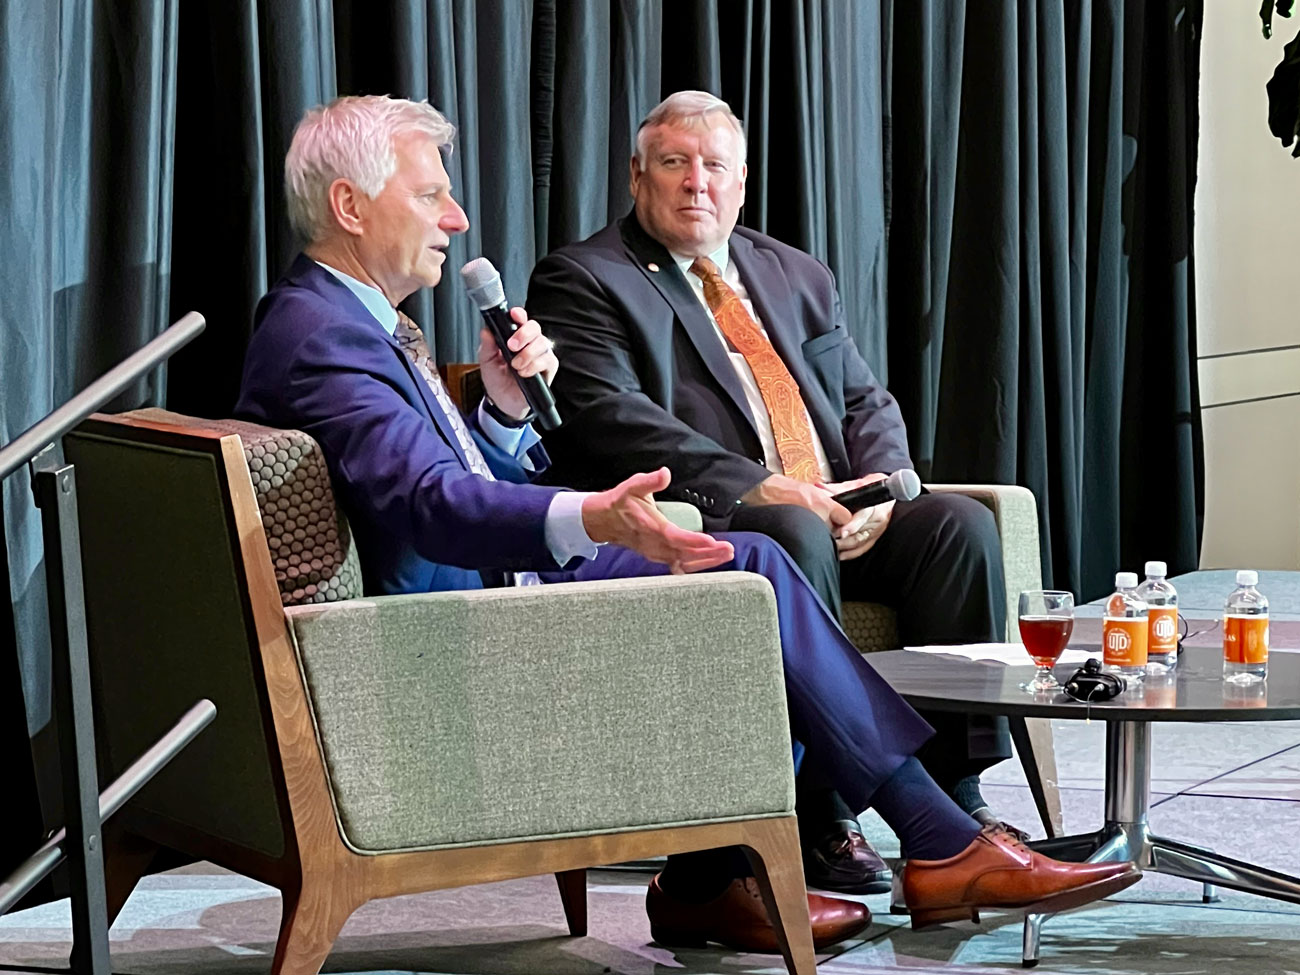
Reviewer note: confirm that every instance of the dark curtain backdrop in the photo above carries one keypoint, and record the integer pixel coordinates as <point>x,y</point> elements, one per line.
<point>1041,321</point>
<point>1002,189</point>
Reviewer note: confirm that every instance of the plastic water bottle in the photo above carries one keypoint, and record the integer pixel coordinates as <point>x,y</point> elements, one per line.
<point>1162,618</point>
<point>1124,630</point>
<point>1245,632</point>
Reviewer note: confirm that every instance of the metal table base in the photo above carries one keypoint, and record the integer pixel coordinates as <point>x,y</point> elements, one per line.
<point>1126,836</point>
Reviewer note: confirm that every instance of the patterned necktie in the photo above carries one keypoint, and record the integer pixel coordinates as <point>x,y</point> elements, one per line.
<point>411,339</point>
<point>785,407</point>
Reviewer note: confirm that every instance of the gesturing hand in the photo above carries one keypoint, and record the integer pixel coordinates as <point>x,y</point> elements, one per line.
<point>534,355</point>
<point>626,515</point>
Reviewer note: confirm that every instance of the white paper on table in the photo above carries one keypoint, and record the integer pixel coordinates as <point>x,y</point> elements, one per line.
<point>1008,654</point>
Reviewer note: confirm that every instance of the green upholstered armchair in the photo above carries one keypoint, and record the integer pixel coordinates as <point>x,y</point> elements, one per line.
<point>367,747</point>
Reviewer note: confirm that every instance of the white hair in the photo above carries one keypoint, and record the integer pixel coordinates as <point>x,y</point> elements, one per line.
<point>350,138</point>
<point>687,108</point>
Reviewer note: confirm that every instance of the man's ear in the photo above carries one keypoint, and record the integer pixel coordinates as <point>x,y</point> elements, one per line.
<point>345,204</point>
<point>634,176</point>
<point>744,176</point>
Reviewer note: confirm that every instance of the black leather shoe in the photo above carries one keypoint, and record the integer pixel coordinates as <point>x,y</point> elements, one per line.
<point>844,862</point>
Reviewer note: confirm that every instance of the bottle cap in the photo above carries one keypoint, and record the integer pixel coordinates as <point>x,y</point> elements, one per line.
<point>1126,580</point>
<point>1156,570</point>
<point>1247,577</point>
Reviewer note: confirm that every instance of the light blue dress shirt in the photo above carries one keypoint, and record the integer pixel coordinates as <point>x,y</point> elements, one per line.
<point>566,537</point>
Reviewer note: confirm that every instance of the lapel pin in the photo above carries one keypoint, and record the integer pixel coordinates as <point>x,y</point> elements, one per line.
<point>653,266</point>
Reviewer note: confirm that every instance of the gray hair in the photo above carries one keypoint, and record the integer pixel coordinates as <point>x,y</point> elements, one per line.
<point>350,138</point>
<point>685,108</point>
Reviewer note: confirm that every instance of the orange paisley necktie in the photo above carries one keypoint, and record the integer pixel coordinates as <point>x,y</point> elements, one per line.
<point>785,407</point>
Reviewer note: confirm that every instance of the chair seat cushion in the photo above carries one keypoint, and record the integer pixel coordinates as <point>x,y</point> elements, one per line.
<point>474,717</point>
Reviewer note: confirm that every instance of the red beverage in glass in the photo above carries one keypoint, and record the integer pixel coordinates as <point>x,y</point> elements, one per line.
<point>1045,637</point>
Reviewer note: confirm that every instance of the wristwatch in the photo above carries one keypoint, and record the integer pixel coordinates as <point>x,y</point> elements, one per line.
<point>505,419</point>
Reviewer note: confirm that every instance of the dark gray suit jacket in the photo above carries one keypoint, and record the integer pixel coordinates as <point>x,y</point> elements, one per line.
<point>644,380</point>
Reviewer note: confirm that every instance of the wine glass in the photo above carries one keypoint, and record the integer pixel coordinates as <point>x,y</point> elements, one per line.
<point>1046,621</point>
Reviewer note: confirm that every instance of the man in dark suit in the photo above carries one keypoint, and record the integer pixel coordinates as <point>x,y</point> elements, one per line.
<point>722,354</point>
<point>439,501</point>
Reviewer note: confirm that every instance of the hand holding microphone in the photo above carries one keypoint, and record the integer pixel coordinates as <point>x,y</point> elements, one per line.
<point>485,290</point>
<point>873,504</point>
<point>901,485</point>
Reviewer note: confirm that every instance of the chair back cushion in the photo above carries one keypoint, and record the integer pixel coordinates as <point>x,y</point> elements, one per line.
<point>308,536</point>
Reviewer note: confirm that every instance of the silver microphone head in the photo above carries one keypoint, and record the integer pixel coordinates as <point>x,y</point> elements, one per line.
<point>904,485</point>
<point>483,283</point>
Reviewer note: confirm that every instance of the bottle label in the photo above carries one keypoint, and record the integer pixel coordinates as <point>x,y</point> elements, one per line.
<point>1162,628</point>
<point>1245,639</point>
<point>1124,642</point>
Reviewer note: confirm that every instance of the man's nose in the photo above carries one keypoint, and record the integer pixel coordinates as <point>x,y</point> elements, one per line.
<point>697,177</point>
<point>455,221</point>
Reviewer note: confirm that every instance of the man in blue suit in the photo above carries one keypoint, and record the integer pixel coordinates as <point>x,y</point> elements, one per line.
<point>439,501</point>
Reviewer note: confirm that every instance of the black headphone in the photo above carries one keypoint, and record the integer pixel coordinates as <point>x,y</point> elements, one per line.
<point>1089,683</point>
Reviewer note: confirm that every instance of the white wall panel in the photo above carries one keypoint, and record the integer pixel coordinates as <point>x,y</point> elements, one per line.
<point>1247,279</point>
<point>1252,485</point>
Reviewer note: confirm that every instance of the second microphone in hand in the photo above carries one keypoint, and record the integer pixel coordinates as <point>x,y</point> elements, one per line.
<point>901,485</point>
<point>483,282</point>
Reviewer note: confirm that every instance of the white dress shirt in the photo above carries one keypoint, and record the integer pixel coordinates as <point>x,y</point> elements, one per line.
<point>757,408</point>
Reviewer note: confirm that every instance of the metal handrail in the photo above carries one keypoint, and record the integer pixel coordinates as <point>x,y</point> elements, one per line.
<point>39,864</point>
<point>44,432</point>
<point>55,492</point>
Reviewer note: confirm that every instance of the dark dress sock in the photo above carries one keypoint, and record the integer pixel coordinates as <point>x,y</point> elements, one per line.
<point>966,793</point>
<point>927,822</point>
<point>820,808</point>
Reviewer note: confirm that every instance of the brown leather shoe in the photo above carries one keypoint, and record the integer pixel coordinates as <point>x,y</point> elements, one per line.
<point>845,862</point>
<point>737,918</point>
<point>997,870</point>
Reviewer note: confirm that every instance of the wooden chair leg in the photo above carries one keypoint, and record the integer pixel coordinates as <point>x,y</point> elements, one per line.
<point>1033,741</point>
<point>310,922</point>
<point>772,846</point>
<point>573,895</point>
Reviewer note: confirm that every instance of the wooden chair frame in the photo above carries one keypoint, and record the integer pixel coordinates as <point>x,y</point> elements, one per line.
<point>321,880</point>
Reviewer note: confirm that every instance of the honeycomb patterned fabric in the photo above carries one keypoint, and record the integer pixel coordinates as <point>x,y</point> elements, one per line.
<point>310,543</point>
<point>870,626</point>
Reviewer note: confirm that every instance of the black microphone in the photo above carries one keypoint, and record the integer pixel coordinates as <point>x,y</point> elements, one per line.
<point>901,485</point>
<point>485,290</point>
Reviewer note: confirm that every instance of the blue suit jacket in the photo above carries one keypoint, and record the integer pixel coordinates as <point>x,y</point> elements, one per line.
<point>319,362</point>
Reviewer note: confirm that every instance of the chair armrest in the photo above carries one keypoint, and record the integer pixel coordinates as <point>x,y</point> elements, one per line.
<point>472,717</point>
<point>1016,513</point>
<point>682,514</point>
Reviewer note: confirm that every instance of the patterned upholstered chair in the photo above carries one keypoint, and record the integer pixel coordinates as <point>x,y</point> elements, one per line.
<point>367,747</point>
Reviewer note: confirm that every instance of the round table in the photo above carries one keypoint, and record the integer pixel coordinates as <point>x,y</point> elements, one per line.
<point>1193,691</point>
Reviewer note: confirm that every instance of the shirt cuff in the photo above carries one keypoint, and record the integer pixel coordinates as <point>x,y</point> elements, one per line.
<point>566,537</point>
<point>515,441</point>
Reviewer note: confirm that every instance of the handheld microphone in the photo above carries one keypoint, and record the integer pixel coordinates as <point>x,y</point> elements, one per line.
<point>901,485</point>
<point>484,285</point>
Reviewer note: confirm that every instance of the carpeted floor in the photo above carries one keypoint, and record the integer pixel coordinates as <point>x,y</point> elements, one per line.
<point>1233,787</point>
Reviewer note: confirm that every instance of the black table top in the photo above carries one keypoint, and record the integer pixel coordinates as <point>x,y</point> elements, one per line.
<point>1195,691</point>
